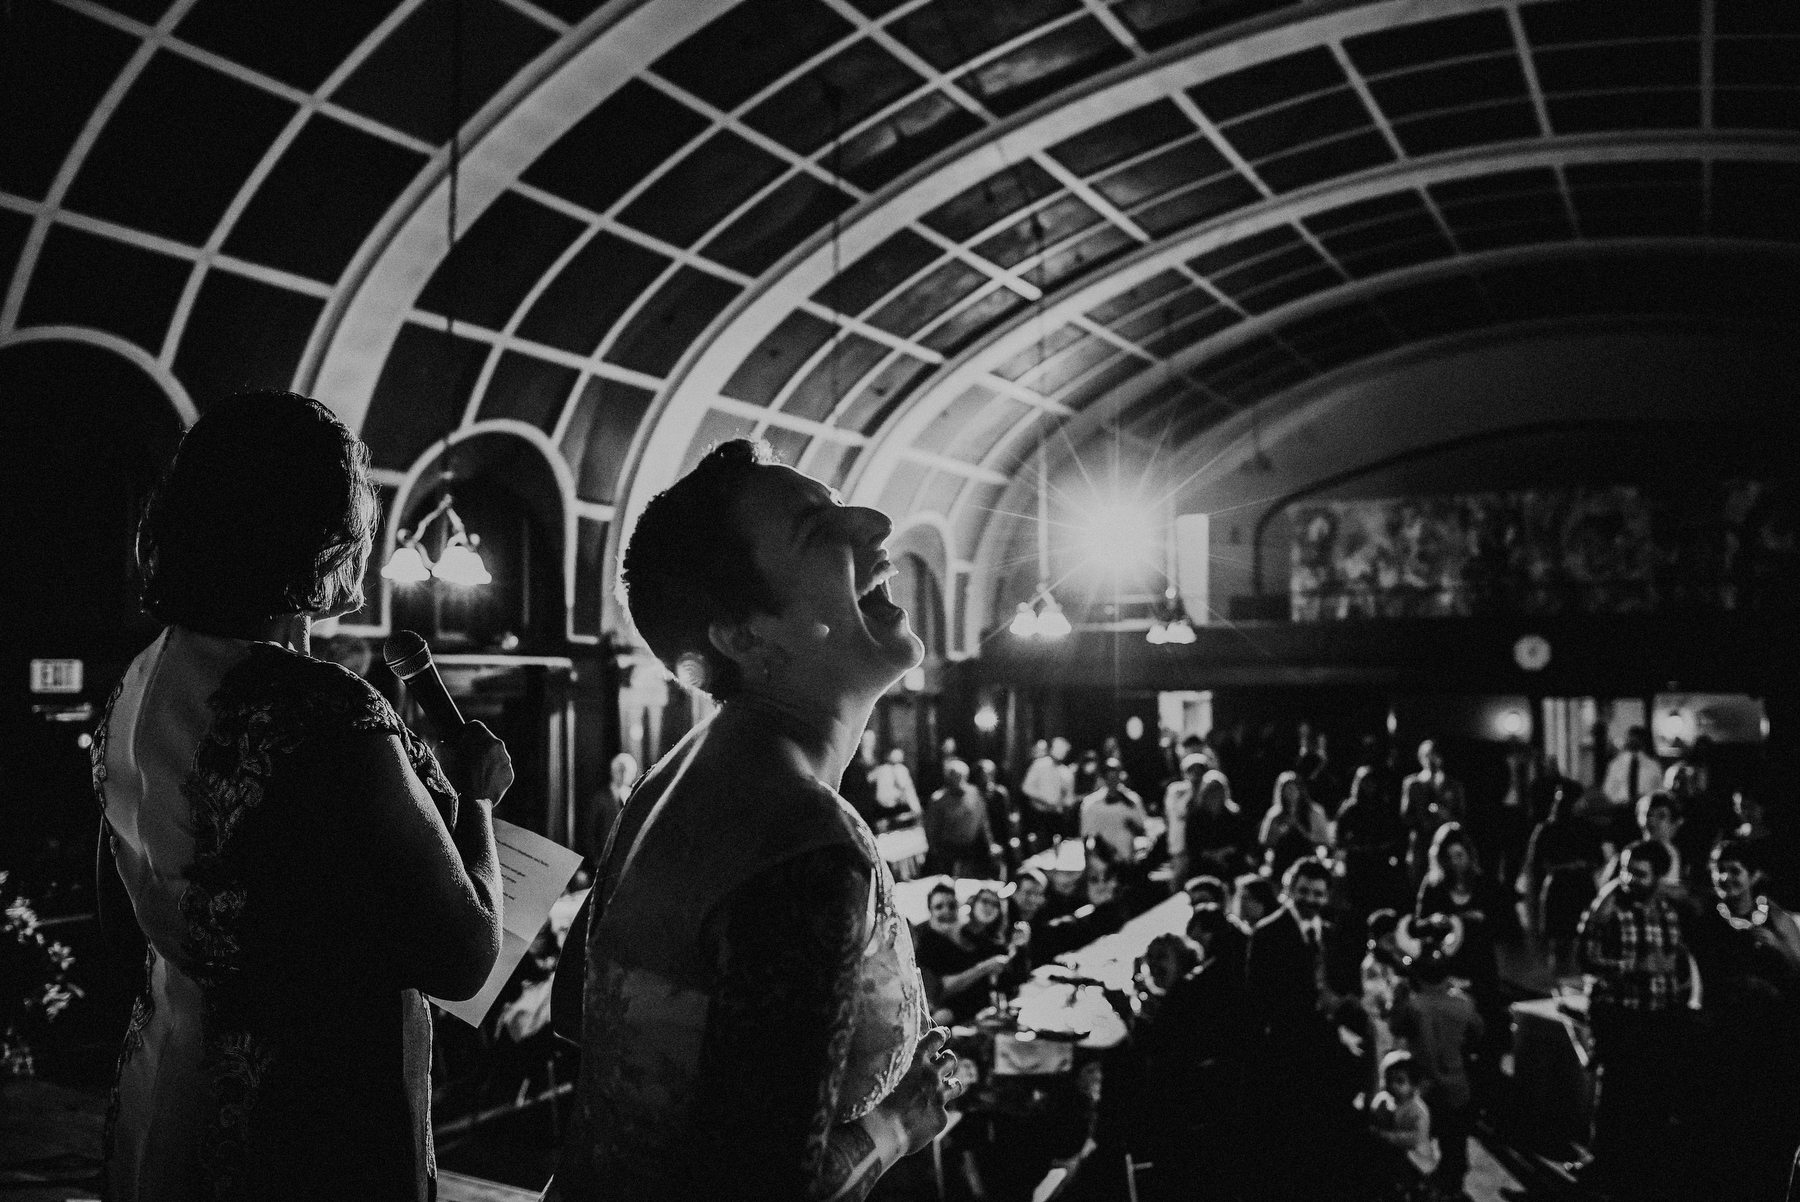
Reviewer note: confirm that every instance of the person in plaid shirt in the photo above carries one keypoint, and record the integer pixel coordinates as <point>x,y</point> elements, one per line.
<point>1632,947</point>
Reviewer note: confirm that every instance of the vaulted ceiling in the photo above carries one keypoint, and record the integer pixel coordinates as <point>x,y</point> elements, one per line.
<point>902,240</point>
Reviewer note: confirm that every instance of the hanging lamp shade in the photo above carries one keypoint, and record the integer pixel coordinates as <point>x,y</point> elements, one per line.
<point>459,564</point>
<point>406,566</point>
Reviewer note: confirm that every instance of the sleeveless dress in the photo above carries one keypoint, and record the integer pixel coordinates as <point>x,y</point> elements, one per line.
<point>650,968</point>
<point>271,1053</point>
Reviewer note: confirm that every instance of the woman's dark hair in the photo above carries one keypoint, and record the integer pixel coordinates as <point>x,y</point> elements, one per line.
<point>266,511</point>
<point>689,565</point>
<point>1300,794</point>
<point>1380,924</point>
<point>1448,835</point>
<point>1750,853</point>
<point>1209,887</point>
<point>1258,889</point>
<point>940,887</point>
<point>978,928</point>
<point>1664,800</point>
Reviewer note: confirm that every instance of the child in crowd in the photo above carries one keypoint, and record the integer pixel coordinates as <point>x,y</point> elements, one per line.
<point>1440,1025</point>
<point>1383,984</point>
<point>1399,1118</point>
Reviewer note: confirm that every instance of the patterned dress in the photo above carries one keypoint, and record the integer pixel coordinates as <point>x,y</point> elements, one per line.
<point>682,971</point>
<point>272,1054</point>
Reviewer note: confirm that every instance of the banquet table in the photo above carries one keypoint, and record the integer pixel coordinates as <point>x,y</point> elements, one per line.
<point>1047,1004</point>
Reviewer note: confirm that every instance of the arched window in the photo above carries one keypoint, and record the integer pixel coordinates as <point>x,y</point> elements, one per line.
<point>922,597</point>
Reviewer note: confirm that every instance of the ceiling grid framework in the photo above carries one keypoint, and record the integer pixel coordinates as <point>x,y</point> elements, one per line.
<point>1044,208</point>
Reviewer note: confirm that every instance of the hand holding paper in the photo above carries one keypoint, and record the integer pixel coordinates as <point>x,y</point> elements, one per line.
<point>533,873</point>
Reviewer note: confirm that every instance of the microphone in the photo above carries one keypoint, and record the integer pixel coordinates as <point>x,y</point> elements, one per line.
<point>409,658</point>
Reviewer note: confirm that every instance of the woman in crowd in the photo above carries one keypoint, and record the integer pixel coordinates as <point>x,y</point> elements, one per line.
<point>1454,885</point>
<point>959,968</point>
<point>1215,828</point>
<point>303,871</point>
<point>1103,913</point>
<point>1371,845</point>
<point>1294,827</point>
<point>1747,1103</point>
<point>988,930</point>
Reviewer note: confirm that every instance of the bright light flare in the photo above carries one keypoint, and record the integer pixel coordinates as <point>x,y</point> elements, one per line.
<point>1120,538</point>
<point>987,720</point>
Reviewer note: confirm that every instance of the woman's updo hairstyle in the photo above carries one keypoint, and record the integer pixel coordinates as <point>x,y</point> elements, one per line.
<point>267,511</point>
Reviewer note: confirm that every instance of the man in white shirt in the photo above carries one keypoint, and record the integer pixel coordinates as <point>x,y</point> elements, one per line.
<point>1629,776</point>
<point>894,791</point>
<point>1049,788</point>
<point>1114,813</point>
<point>1175,804</point>
<point>1634,771</point>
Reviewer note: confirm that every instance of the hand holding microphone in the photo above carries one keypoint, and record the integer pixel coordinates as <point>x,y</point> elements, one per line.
<point>478,765</point>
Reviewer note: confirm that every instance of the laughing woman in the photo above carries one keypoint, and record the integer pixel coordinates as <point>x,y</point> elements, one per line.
<point>299,865</point>
<point>753,1021</point>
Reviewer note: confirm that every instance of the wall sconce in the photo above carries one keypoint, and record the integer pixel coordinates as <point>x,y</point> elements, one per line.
<point>457,563</point>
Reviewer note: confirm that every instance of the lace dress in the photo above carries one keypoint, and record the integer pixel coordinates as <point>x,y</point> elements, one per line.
<point>272,1054</point>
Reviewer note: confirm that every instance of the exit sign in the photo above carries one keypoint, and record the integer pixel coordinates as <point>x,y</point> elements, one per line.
<point>56,676</point>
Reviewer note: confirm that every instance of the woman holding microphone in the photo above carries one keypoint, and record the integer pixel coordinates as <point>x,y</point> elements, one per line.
<point>300,866</point>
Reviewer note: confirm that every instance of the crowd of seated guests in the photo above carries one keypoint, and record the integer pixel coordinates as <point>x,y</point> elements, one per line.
<point>1334,1019</point>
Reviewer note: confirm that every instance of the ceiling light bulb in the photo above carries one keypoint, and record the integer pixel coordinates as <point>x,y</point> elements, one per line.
<point>1157,635</point>
<point>461,565</point>
<point>1181,632</point>
<point>1051,622</point>
<point>406,566</point>
<point>1025,622</point>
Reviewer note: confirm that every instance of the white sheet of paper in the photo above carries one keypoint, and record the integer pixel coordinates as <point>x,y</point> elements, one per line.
<point>533,874</point>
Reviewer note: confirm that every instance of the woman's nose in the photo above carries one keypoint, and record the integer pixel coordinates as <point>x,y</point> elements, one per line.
<point>870,524</point>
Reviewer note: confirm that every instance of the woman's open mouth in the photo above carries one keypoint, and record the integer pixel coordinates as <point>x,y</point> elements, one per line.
<point>875,602</point>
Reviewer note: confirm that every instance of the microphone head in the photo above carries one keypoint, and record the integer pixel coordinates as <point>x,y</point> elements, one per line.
<point>406,654</point>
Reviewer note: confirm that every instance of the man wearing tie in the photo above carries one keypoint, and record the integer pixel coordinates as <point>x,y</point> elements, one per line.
<point>1428,799</point>
<point>1631,774</point>
<point>1301,974</point>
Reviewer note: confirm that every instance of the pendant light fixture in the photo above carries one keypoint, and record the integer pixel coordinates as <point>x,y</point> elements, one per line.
<point>458,563</point>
